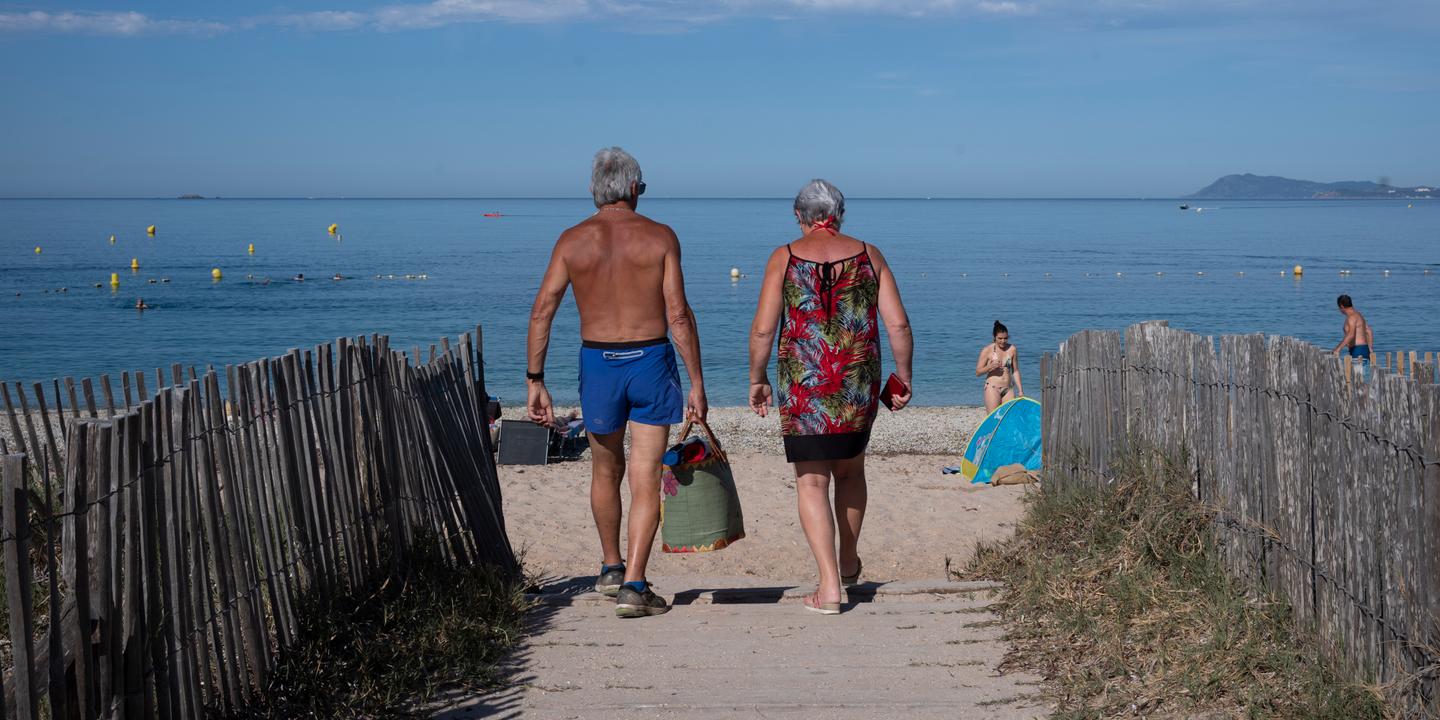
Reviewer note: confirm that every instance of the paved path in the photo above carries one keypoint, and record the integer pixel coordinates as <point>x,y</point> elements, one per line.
<point>736,648</point>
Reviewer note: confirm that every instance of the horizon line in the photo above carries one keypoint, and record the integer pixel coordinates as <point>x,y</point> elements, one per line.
<point>577,197</point>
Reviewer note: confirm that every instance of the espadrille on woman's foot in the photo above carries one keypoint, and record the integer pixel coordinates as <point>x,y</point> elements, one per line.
<point>813,604</point>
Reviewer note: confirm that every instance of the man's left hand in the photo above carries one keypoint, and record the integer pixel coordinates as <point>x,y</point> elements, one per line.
<point>539,404</point>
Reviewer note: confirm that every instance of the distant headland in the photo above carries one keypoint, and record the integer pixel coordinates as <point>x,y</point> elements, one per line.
<point>191,196</point>
<point>1271,187</point>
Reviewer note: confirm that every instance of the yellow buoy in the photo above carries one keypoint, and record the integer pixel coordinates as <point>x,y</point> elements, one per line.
<point>251,249</point>
<point>150,230</point>
<point>216,274</point>
<point>114,279</point>
<point>112,239</point>
<point>334,228</point>
<point>1297,271</point>
<point>37,249</point>
<point>134,264</point>
<point>735,273</point>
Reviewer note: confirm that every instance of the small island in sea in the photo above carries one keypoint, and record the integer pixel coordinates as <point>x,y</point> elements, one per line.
<point>1271,187</point>
<point>191,196</point>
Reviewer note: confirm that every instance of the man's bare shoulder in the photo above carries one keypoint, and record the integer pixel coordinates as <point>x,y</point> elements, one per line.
<point>659,229</point>
<point>579,230</point>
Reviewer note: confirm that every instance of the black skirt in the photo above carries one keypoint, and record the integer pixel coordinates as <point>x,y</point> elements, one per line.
<point>840,446</point>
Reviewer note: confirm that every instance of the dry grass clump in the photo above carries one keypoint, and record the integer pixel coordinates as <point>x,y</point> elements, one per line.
<point>1118,598</point>
<point>388,654</point>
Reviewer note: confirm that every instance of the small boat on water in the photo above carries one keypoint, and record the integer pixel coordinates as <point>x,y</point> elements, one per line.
<point>1184,207</point>
<point>494,214</point>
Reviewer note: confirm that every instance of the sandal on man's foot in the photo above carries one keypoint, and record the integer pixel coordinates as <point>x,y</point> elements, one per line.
<point>813,604</point>
<point>610,579</point>
<point>853,579</point>
<point>631,603</point>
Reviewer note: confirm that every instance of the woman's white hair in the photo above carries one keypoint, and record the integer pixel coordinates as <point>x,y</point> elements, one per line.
<point>614,173</point>
<point>819,200</point>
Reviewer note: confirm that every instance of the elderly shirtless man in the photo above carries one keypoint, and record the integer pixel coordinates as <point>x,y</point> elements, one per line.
<point>625,269</point>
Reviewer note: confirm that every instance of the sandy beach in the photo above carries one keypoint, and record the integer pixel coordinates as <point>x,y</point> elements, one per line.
<point>916,519</point>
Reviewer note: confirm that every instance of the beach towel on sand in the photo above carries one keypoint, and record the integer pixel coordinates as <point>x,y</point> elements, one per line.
<point>699,506</point>
<point>1013,474</point>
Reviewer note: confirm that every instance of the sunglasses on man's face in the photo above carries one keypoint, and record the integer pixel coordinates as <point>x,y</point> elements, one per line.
<point>639,188</point>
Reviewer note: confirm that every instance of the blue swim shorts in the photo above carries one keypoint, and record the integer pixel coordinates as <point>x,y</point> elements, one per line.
<point>629,381</point>
<point>1360,352</point>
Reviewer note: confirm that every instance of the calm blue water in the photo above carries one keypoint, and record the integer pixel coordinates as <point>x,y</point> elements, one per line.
<point>950,256</point>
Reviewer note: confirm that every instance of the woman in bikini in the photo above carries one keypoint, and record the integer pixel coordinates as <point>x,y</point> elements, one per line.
<point>999,364</point>
<point>827,294</point>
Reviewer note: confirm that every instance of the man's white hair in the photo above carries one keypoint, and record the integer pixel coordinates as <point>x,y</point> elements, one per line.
<point>819,200</point>
<point>612,176</point>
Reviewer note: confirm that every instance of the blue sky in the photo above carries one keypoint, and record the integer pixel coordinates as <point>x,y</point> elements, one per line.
<point>485,98</point>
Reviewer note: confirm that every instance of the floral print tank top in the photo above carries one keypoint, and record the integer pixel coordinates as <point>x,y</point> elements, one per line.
<point>829,355</point>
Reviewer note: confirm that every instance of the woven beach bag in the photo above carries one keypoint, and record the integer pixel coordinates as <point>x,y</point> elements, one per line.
<point>699,507</point>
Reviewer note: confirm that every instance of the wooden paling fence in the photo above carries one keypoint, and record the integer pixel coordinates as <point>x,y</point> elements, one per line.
<point>1404,363</point>
<point>1325,482</point>
<point>157,548</point>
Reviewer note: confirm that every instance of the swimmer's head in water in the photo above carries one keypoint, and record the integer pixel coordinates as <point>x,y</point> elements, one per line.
<point>1344,302</point>
<point>1001,334</point>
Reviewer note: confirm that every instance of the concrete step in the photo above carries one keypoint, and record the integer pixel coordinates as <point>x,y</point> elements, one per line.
<point>684,590</point>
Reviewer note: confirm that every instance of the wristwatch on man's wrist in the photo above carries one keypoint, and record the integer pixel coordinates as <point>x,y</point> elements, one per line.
<point>536,376</point>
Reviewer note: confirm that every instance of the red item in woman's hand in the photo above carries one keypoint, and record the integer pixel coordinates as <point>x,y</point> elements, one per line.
<point>893,387</point>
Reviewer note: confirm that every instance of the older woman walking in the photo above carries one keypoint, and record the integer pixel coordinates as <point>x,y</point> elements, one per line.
<point>823,292</point>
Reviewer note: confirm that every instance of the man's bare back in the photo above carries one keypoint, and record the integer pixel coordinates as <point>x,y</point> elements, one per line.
<point>1357,337</point>
<point>616,260</point>
<point>1358,329</point>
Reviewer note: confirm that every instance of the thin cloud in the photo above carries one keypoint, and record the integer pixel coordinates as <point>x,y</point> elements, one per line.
<point>320,21</point>
<point>642,14</point>
<point>448,12</point>
<point>103,23</point>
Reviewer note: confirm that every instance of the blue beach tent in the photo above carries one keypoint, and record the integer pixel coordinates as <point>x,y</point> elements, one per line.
<point>1010,434</point>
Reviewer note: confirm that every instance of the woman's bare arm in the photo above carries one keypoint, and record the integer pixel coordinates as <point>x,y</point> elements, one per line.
<point>897,323</point>
<point>1015,369</point>
<point>984,365</point>
<point>762,330</point>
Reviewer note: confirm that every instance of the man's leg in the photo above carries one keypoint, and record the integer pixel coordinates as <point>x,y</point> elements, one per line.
<point>647,447</point>
<point>607,466</point>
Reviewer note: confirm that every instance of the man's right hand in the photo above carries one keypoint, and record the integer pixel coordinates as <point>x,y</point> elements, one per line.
<point>541,408</point>
<point>697,407</point>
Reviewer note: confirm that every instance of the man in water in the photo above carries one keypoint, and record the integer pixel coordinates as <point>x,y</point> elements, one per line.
<point>625,269</point>
<point>1358,336</point>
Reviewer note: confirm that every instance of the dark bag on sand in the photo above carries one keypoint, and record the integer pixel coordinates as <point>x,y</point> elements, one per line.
<point>699,507</point>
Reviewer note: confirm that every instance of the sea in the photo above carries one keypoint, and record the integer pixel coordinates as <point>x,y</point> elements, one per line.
<point>420,269</point>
